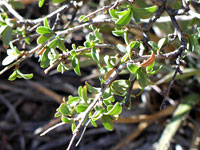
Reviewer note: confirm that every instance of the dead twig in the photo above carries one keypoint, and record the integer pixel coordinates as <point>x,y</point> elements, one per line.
<point>17,119</point>
<point>46,91</point>
<point>145,121</point>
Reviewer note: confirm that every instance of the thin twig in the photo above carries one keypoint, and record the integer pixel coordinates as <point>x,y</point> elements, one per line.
<point>33,21</point>
<point>51,128</point>
<point>56,21</point>
<point>165,19</point>
<point>84,129</point>
<point>11,10</point>
<point>165,100</point>
<point>180,51</point>
<point>84,115</point>
<point>23,58</point>
<point>104,8</point>
<point>17,119</point>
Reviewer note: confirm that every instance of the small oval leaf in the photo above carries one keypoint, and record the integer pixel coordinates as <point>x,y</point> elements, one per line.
<point>75,65</point>
<point>43,30</point>
<point>107,122</point>
<point>63,109</point>
<point>132,68</point>
<point>116,109</point>
<point>13,76</point>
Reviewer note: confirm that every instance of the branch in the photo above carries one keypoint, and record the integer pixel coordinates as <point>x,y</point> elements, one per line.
<point>33,21</point>
<point>194,14</point>
<point>59,33</point>
<point>84,115</point>
<point>17,119</point>
<point>11,10</point>
<point>106,8</point>
<point>51,128</point>
<point>112,77</point>
<point>23,58</point>
<point>165,19</point>
<point>179,56</point>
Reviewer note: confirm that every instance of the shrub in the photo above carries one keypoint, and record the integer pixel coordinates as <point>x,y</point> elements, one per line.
<point>152,32</point>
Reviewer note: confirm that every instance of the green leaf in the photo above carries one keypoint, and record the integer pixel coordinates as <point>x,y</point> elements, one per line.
<point>25,76</point>
<point>27,40</point>
<point>73,100</point>
<point>45,22</point>
<point>61,45</point>
<point>118,32</point>
<point>120,87</point>
<point>153,45</point>
<point>75,65</point>
<point>134,45</point>
<point>132,68</point>
<point>109,100</point>
<point>125,18</point>
<point>80,91</point>
<point>144,12</point>
<point>17,5</point>
<point>85,20</point>
<point>152,72</point>
<point>98,36</point>
<point>73,53</point>
<point>45,37</point>
<point>198,29</point>
<point>73,127</point>
<point>58,1</point>
<point>43,30</point>
<point>178,115</point>
<point>74,46</point>
<point>136,15</point>
<point>81,108</point>
<point>87,44</point>
<point>112,13</point>
<point>57,114</point>
<point>92,89</point>
<point>65,119</point>
<point>125,58</point>
<point>95,54</point>
<point>97,115</point>
<point>44,59</point>
<point>121,48</point>
<point>53,44</point>
<point>62,67</point>
<point>107,122</point>
<point>63,109</point>
<point>142,78</point>
<point>13,76</point>
<point>84,93</point>
<point>150,67</point>
<point>7,36</point>
<point>91,37</point>
<point>41,2</point>
<point>115,110</point>
<point>93,123</point>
